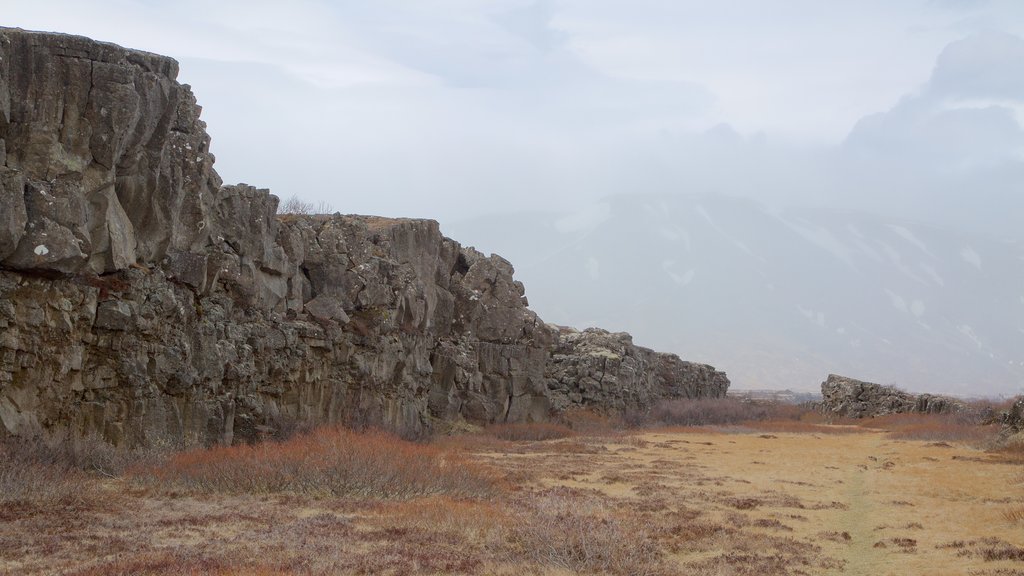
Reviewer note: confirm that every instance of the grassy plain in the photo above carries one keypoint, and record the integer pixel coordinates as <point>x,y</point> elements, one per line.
<point>774,497</point>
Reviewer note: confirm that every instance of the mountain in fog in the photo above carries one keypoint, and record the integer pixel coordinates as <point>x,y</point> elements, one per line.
<point>777,298</point>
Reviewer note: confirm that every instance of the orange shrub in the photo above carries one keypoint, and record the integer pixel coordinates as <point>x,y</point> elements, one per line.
<point>326,462</point>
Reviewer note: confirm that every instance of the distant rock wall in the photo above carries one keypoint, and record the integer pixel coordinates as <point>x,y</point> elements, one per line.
<point>140,298</point>
<point>846,397</point>
<point>604,368</point>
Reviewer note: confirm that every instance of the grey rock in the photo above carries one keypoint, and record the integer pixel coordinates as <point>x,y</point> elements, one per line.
<point>13,217</point>
<point>850,398</point>
<point>99,132</point>
<point>188,267</point>
<point>165,305</point>
<point>1013,419</point>
<point>603,369</point>
<point>326,307</point>
<point>113,315</point>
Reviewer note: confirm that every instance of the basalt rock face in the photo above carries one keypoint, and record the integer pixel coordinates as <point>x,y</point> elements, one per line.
<point>846,397</point>
<point>105,160</point>
<point>141,299</point>
<point>605,368</point>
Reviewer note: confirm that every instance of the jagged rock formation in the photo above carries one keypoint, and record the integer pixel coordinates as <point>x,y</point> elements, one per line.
<point>1013,419</point>
<point>846,397</point>
<point>600,367</point>
<point>141,298</point>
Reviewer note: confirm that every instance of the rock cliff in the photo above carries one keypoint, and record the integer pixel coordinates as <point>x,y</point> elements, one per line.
<point>1013,419</point>
<point>141,298</point>
<point>846,397</point>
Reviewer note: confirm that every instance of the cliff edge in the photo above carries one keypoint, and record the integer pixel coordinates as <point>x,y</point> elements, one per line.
<point>140,298</point>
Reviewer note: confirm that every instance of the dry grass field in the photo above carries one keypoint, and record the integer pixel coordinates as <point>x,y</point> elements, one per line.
<point>771,497</point>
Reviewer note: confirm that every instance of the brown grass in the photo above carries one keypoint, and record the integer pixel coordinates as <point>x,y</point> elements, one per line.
<point>325,462</point>
<point>802,426</point>
<point>574,531</point>
<point>1010,451</point>
<point>590,422</point>
<point>532,432</point>
<point>963,428</point>
<point>704,412</point>
<point>1014,515</point>
<point>38,474</point>
<point>27,486</point>
<point>657,502</point>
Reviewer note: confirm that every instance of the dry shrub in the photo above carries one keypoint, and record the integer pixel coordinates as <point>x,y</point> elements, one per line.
<point>577,532</point>
<point>29,486</point>
<point>956,427</point>
<point>989,549</point>
<point>467,521</point>
<point>533,431</point>
<point>89,453</point>
<point>675,430</point>
<point>471,442</point>
<point>716,412</point>
<point>296,205</point>
<point>162,562</point>
<point>1010,451</point>
<point>36,473</point>
<point>326,462</point>
<point>590,422</point>
<point>802,427</point>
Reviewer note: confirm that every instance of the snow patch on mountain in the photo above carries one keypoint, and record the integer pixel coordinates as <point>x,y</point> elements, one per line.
<point>681,279</point>
<point>735,241</point>
<point>909,237</point>
<point>971,257</point>
<point>897,301</point>
<point>969,333</point>
<point>821,238</point>
<point>585,220</point>
<point>929,270</point>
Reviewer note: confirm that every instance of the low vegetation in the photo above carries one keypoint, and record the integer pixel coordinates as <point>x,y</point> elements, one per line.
<point>297,206</point>
<point>536,431</point>
<point>742,488</point>
<point>701,412</point>
<point>327,462</point>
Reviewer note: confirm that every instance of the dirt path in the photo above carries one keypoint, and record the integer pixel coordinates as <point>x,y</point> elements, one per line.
<point>859,521</point>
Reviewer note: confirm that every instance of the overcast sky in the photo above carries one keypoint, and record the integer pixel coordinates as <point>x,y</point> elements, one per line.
<point>451,108</point>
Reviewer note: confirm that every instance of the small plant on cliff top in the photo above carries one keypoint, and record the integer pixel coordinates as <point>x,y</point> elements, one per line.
<point>296,205</point>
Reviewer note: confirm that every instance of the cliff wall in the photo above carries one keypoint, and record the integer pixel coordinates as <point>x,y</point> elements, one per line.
<point>846,397</point>
<point>140,298</point>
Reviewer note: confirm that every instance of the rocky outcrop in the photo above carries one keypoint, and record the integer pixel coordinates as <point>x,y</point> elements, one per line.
<point>604,368</point>
<point>140,298</point>
<point>846,397</point>
<point>1013,419</point>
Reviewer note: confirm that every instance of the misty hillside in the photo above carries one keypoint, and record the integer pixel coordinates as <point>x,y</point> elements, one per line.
<point>777,298</point>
